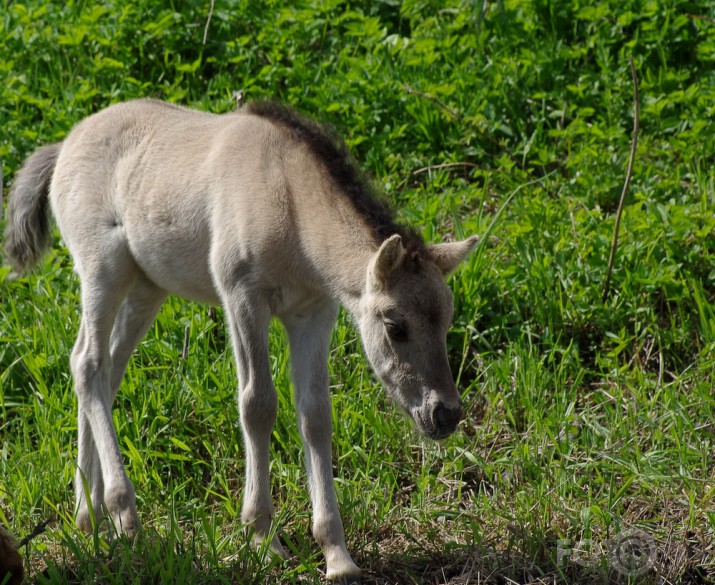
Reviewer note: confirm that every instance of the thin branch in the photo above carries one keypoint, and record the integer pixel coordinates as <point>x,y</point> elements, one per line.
<point>436,168</point>
<point>626,184</point>
<point>700,17</point>
<point>36,531</point>
<point>444,166</point>
<point>434,100</point>
<point>208,21</point>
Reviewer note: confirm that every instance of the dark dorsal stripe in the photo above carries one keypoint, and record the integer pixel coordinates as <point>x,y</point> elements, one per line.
<point>327,147</point>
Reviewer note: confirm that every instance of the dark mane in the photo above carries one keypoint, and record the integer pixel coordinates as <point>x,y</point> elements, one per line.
<point>327,147</point>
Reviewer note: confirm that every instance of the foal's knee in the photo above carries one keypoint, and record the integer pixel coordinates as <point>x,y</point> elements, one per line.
<point>315,421</point>
<point>258,406</point>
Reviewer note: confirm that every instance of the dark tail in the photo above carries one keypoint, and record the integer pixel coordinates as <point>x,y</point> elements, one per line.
<point>27,233</point>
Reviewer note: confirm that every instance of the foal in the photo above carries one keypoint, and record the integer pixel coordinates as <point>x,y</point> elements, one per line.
<point>264,212</point>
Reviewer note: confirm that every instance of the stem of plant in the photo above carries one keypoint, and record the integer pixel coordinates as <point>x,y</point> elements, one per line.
<point>626,184</point>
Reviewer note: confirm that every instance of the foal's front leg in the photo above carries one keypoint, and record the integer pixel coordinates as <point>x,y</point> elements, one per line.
<point>249,319</point>
<point>309,338</point>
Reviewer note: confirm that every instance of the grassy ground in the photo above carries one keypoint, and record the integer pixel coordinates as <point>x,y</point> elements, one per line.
<point>588,421</point>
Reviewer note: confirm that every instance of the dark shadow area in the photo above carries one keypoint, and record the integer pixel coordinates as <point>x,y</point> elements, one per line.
<point>479,565</point>
<point>403,561</point>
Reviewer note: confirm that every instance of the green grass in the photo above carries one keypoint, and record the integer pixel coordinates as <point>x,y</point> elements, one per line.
<point>584,419</point>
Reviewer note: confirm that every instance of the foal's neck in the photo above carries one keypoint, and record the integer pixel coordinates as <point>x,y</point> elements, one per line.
<point>336,238</point>
<point>343,257</point>
<point>337,243</point>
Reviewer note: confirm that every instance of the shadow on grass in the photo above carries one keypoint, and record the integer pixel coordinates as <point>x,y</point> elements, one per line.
<point>161,560</point>
<point>464,565</point>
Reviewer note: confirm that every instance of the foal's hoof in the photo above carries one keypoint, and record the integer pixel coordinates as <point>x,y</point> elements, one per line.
<point>340,568</point>
<point>349,581</point>
<point>354,579</point>
<point>275,549</point>
<point>124,524</point>
<point>84,521</point>
<point>123,517</point>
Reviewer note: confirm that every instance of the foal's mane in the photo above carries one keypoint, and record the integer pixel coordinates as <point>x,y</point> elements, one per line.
<point>327,147</point>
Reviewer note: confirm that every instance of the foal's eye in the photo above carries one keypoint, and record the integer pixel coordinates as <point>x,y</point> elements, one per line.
<point>395,331</point>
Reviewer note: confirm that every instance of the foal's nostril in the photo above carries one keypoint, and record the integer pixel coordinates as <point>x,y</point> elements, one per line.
<point>446,419</point>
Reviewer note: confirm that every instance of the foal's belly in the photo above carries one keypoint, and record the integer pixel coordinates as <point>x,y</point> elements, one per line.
<point>174,255</point>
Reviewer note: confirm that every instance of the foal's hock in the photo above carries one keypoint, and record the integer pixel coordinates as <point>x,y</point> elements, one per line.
<point>264,212</point>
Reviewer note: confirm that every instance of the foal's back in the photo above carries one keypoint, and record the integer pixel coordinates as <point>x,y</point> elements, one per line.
<point>161,186</point>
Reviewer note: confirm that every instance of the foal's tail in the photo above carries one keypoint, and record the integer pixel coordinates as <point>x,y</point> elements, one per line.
<point>27,233</point>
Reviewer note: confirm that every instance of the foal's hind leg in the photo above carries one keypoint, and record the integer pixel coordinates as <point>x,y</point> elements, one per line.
<point>107,272</point>
<point>89,472</point>
<point>91,369</point>
<point>135,317</point>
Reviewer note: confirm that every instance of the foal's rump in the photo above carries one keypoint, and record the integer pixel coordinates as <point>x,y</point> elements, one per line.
<point>153,184</point>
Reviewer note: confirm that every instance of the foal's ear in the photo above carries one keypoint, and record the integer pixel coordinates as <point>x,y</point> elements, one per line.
<point>448,256</point>
<point>384,263</point>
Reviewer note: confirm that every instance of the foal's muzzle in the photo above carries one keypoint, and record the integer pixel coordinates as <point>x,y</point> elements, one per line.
<point>445,419</point>
<point>440,422</point>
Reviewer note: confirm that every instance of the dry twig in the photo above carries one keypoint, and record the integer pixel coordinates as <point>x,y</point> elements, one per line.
<point>626,184</point>
<point>434,100</point>
<point>36,531</point>
<point>208,21</point>
<point>430,168</point>
<point>700,17</point>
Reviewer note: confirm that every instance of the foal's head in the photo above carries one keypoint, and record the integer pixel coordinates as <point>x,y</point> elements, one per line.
<point>403,319</point>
